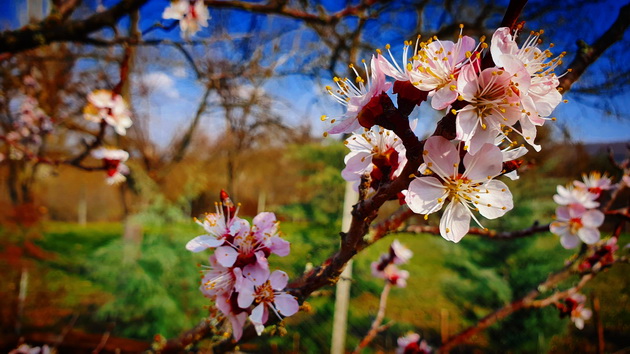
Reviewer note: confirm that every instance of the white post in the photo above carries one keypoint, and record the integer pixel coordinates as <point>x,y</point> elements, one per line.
<point>342,294</point>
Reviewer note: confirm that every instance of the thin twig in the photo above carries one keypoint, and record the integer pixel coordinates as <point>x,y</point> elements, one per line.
<point>376,325</point>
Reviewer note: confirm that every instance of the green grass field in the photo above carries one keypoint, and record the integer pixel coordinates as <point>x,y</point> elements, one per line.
<point>150,288</point>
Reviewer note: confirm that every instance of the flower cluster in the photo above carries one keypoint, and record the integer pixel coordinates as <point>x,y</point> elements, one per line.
<point>411,344</point>
<point>113,162</point>
<point>378,152</point>
<point>574,306</point>
<point>467,185</point>
<point>602,257</point>
<point>385,267</point>
<point>110,107</point>
<point>576,217</point>
<point>27,349</point>
<point>191,14</point>
<point>238,278</point>
<point>521,87</point>
<point>511,89</point>
<point>31,125</point>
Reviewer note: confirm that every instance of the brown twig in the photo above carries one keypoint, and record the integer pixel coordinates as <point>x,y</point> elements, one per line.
<point>51,29</point>
<point>589,54</point>
<point>279,7</point>
<point>491,234</point>
<point>529,300</point>
<point>376,325</point>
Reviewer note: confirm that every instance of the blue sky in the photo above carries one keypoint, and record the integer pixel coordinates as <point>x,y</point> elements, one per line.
<point>176,93</point>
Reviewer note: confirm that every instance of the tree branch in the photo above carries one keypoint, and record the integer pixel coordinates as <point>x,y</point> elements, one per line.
<point>491,234</point>
<point>376,325</point>
<point>277,7</point>
<point>529,300</point>
<point>52,29</point>
<point>589,54</point>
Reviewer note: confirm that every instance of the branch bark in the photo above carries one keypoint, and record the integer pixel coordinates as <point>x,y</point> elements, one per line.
<point>278,7</point>
<point>53,29</point>
<point>589,54</point>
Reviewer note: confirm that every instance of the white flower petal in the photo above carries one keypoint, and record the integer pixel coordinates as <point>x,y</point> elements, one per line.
<point>455,222</point>
<point>589,235</point>
<point>569,241</point>
<point>203,242</point>
<point>593,218</point>
<point>487,162</point>
<point>286,304</point>
<point>426,195</point>
<point>226,255</point>
<point>442,155</point>
<point>278,280</point>
<point>496,202</point>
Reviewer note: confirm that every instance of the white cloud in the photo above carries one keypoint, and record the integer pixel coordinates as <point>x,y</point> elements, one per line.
<point>180,72</point>
<point>159,83</point>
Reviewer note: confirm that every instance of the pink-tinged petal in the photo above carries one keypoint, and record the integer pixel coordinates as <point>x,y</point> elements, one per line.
<point>264,221</point>
<point>444,96</point>
<point>280,246</point>
<point>576,210</point>
<point>257,317</point>
<point>527,102</point>
<point>357,165</point>
<point>401,281</point>
<point>579,323</point>
<point>226,255</point>
<point>528,129</point>
<point>545,94</point>
<point>593,218</point>
<point>569,241</point>
<point>358,160</point>
<point>101,98</point>
<point>401,253</point>
<point>487,162</point>
<point>514,154</point>
<point>258,273</point>
<point>222,302</point>
<point>246,294</point>
<point>286,304</point>
<point>502,43</point>
<point>390,70</point>
<point>442,155</point>
<point>239,280</point>
<point>494,199</point>
<point>278,280</point>
<point>466,123</point>
<point>455,222</point>
<point>238,321</point>
<point>512,175</point>
<point>515,67</point>
<point>203,242</point>
<point>562,213</point>
<point>589,235</point>
<point>498,78</point>
<point>559,228</point>
<point>348,124</point>
<point>466,44</point>
<point>239,227</point>
<point>265,315</point>
<point>426,195</point>
<point>481,137</point>
<point>467,82</point>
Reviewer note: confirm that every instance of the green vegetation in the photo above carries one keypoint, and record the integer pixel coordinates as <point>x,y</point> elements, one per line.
<point>139,280</point>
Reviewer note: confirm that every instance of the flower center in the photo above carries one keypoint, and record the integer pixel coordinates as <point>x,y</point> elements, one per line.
<point>459,188</point>
<point>575,224</point>
<point>264,293</point>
